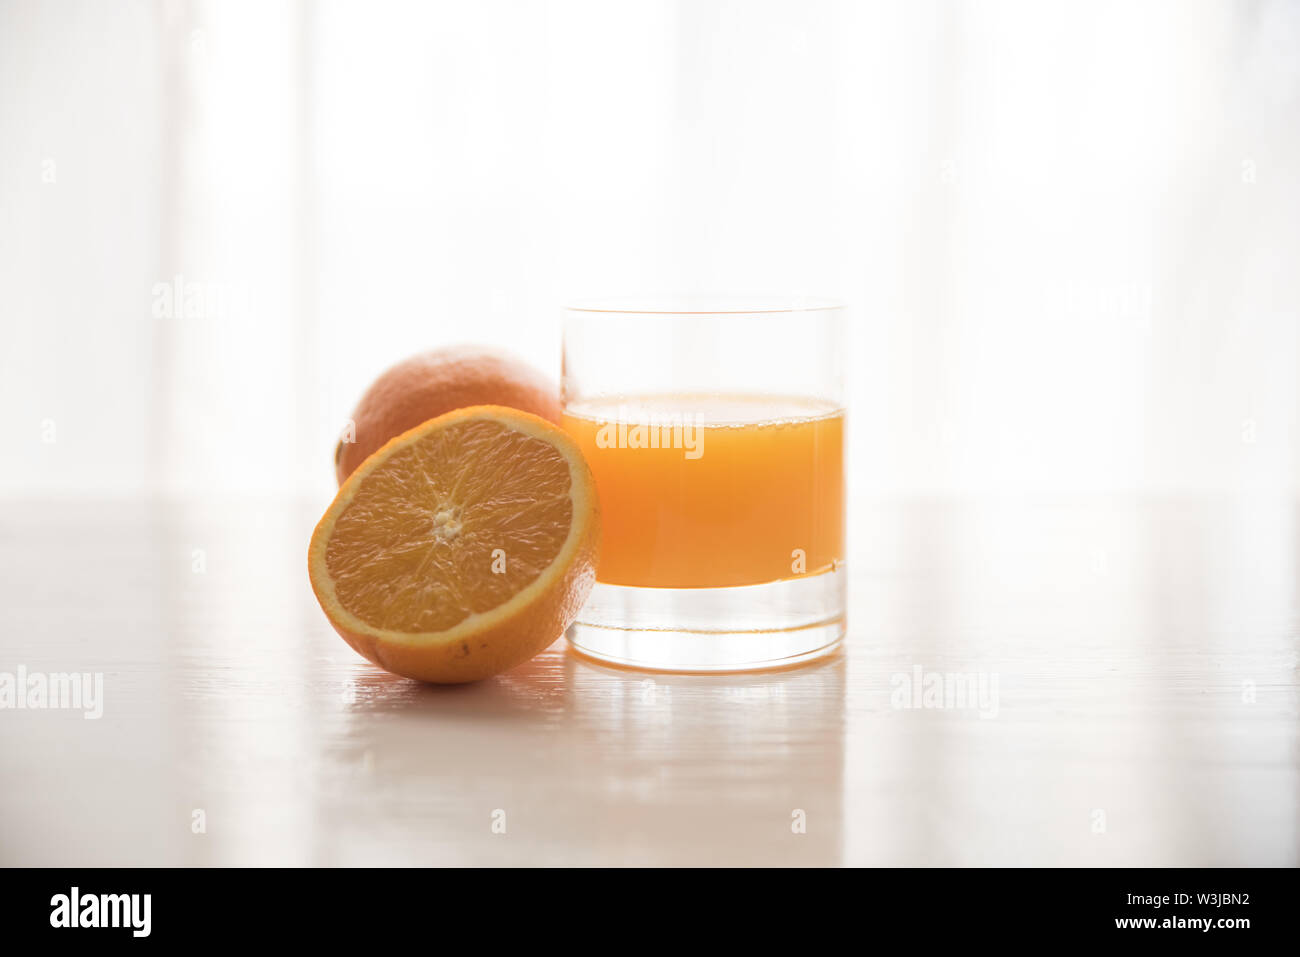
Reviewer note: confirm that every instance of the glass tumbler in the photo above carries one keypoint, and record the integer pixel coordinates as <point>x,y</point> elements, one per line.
<point>715,431</point>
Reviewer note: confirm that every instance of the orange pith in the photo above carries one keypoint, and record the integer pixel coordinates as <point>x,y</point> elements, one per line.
<point>462,547</point>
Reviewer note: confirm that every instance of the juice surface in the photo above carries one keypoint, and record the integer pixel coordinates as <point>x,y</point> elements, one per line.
<point>704,491</point>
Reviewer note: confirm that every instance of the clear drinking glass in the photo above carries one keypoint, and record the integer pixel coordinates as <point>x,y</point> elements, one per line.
<point>715,431</point>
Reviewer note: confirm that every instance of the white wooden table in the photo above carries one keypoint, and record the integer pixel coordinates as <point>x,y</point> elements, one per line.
<point>1145,655</point>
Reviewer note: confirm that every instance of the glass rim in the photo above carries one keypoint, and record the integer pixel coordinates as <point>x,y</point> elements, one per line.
<point>703,305</point>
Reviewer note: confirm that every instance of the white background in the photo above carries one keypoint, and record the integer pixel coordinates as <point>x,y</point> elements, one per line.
<point>1069,233</point>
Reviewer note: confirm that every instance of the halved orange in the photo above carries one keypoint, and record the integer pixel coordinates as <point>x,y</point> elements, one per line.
<point>460,548</point>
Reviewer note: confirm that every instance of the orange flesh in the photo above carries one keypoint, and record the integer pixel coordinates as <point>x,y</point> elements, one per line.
<point>416,549</point>
<point>768,479</point>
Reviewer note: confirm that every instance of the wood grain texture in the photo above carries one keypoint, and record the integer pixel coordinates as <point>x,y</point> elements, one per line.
<point>1145,655</point>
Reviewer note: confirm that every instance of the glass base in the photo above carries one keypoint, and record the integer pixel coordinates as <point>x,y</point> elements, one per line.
<point>713,629</point>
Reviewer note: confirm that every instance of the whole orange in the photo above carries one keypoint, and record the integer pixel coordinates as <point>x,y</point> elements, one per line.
<point>430,384</point>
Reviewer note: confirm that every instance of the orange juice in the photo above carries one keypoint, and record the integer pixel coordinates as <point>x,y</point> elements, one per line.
<point>711,491</point>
